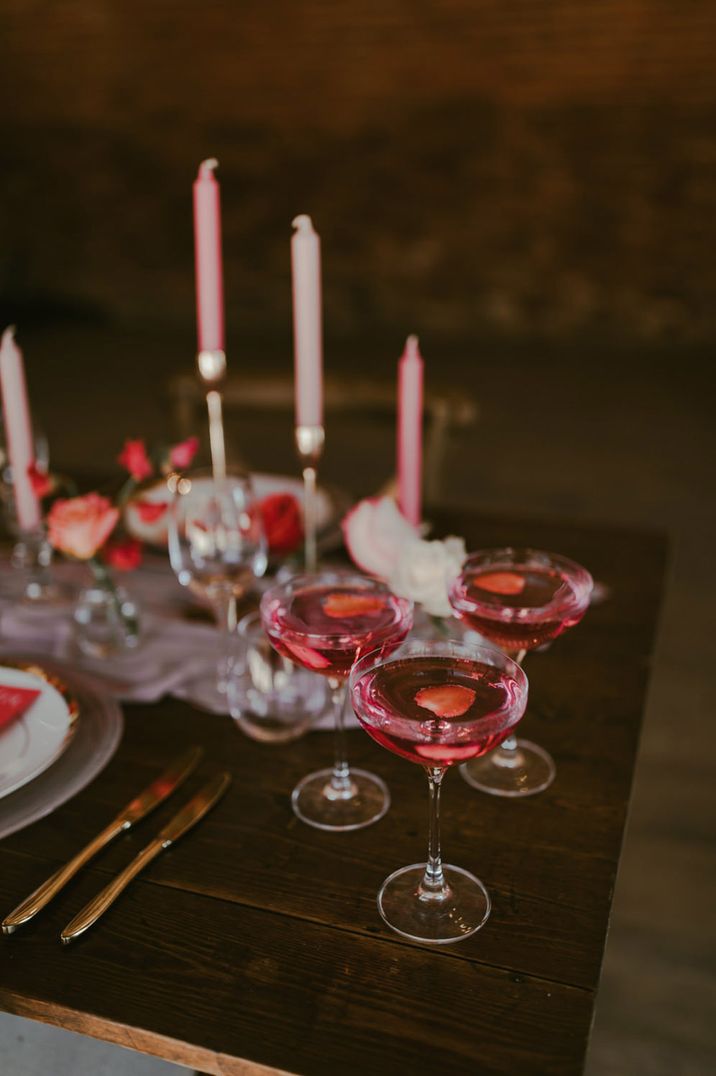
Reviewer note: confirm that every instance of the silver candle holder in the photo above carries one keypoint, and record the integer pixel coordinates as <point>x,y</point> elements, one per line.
<point>212,371</point>
<point>309,443</point>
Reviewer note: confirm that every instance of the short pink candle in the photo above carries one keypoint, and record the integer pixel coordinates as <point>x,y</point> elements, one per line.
<point>207,247</point>
<point>18,430</point>
<point>307,322</point>
<point>410,431</point>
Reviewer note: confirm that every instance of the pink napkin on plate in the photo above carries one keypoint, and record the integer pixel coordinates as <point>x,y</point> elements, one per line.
<point>14,701</point>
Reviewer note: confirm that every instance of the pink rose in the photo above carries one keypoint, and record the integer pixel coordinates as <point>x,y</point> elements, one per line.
<point>375,533</point>
<point>81,525</point>
<point>134,459</point>
<point>181,455</point>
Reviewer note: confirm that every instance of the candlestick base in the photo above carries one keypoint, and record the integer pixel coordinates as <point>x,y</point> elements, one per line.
<point>212,370</point>
<point>309,443</point>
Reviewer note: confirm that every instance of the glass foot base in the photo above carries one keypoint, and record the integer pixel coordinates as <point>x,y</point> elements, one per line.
<point>316,803</point>
<point>438,922</point>
<point>523,772</point>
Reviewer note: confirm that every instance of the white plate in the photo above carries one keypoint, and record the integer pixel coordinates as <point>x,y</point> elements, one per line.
<point>264,485</point>
<point>32,742</point>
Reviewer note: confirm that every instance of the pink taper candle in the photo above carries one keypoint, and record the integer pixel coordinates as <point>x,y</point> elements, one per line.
<point>307,329</point>
<point>18,430</point>
<point>410,431</point>
<point>207,247</point>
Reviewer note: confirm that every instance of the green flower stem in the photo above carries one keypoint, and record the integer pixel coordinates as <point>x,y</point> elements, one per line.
<point>104,579</point>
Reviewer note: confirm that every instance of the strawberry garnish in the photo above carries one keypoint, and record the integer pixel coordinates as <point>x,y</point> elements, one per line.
<point>307,656</point>
<point>444,752</point>
<point>346,605</point>
<point>446,700</point>
<point>501,582</point>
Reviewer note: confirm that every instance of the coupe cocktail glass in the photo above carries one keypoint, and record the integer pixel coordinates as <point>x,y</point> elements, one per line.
<point>519,599</point>
<point>324,622</point>
<point>437,704</point>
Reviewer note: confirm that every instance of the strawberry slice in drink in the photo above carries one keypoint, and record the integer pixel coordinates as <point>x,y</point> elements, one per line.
<point>501,582</point>
<point>446,700</point>
<point>340,605</point>
<point>306,655</point>
<point>445,752</point>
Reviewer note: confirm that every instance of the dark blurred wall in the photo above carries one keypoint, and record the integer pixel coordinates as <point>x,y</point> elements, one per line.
<point>542,168</point>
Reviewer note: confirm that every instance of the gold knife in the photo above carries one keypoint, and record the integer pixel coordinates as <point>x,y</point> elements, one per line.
<point>189,815</point>
<point>163,786</point>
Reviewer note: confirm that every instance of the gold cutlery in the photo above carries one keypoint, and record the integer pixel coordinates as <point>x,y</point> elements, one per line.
<point>162,787</point>
<point>183,821</point>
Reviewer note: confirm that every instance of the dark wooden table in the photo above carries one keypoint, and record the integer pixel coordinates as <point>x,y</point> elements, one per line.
<point>256,942</point>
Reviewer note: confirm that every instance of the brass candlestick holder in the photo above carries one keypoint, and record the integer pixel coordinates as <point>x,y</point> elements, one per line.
<point>309,443</point>
<point>212,370</point>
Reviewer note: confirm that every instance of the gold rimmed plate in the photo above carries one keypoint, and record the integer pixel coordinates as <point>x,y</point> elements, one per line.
<point>30,744</point>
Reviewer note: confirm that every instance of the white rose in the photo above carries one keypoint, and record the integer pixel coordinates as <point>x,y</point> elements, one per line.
<point>425,570</point>
<point>375,533</point>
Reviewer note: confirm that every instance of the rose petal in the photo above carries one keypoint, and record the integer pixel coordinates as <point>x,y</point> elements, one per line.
<point>446,700</point>
<point>347,605</point>
<point>501,582</point>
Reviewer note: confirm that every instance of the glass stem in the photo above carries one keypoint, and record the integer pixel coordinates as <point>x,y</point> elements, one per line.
<point>433,886</point>
<point>341,786</point>
<point>226,618</point>
<point>509,745</point>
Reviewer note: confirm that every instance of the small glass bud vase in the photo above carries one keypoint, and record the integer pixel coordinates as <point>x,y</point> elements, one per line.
<point>106,621</point>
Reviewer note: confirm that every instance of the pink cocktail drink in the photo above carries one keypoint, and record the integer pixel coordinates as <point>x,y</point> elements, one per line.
<point>437,711</point>
<point>520,605</point>
<point>325,627</point>
<point>325,622</point>
<point>519,599</point>
<point>437,704</point>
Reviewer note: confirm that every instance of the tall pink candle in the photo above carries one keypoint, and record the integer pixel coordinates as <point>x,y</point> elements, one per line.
<point>207,248</point>
<point>18,430</point>
<point>307,322</point>
<point>410,431</point>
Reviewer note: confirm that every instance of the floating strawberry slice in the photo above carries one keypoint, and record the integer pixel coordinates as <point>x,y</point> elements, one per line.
<point>444,752</point>
<point>446,700</point>
<point>309,658</point>
<point>342,605</point>
<point>501,582</point>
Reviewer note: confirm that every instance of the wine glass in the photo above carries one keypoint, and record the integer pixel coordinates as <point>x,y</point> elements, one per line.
<point>437,704</point>
<point>217,548</point>
<point>519,599</point>
<point>323,622</point>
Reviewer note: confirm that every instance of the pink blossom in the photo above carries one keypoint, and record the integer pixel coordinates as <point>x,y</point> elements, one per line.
<point>134,459</point>
<point>181,455</point>
<point>81,525</point>
<point>125,556</point>
<point>40,481</point>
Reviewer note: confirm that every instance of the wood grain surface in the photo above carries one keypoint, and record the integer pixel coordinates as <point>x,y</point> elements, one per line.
<point>257,939</point>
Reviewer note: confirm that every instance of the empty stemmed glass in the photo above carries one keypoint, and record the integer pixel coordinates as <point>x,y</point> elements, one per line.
<point>437,704</point>
<point>324,622</point>
<point>518,599</point>
<point>217,548</point>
